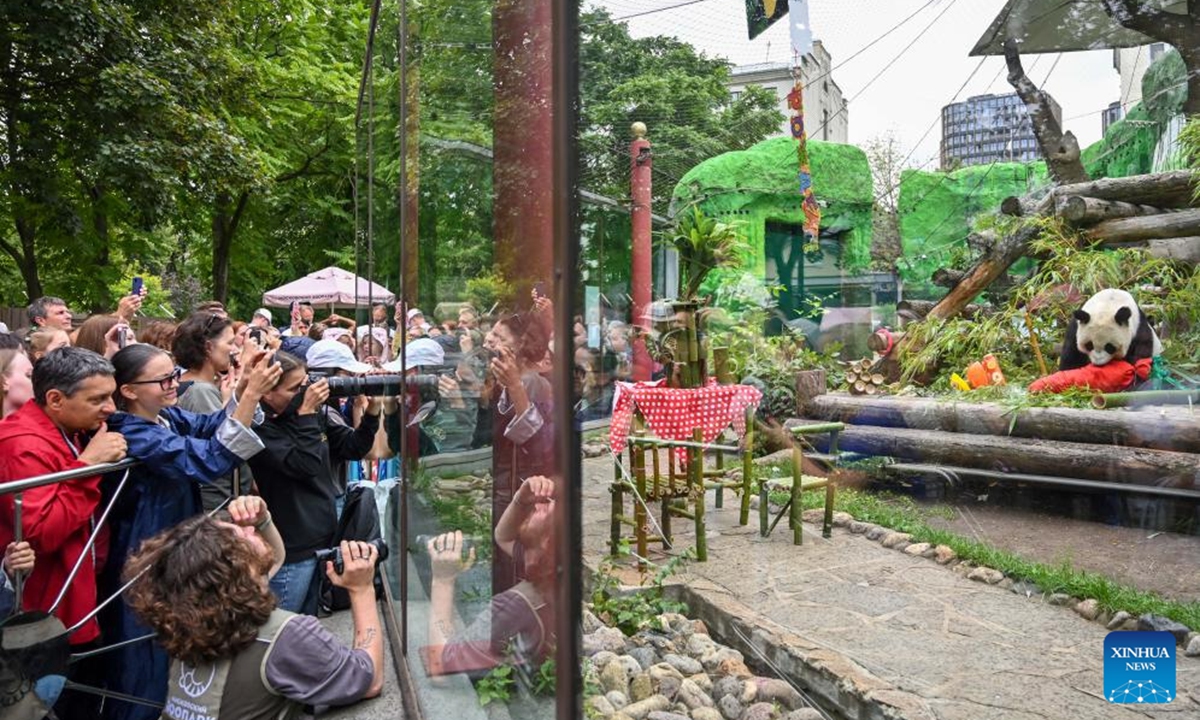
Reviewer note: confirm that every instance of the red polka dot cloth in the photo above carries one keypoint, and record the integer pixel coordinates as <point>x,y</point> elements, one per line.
<point>673,413</point>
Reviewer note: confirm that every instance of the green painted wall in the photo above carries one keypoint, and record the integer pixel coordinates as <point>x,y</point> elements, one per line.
<point>758,185</point>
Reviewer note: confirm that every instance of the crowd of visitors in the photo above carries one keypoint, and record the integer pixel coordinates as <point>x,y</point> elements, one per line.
<point>202,559</point>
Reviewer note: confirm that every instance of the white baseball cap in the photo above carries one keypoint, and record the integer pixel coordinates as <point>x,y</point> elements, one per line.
<point>422,351</point>
<point>413,313</point>
<point>331,354</point>
<point>263,312</point>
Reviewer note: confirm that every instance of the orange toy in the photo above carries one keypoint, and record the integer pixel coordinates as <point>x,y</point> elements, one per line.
<point>987,372</point>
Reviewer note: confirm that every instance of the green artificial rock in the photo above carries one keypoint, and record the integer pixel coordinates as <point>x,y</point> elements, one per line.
<point>760,184</point>
<point>938,210</point>
<point>1127,148</point>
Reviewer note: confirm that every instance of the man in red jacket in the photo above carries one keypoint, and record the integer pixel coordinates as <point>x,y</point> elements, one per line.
<point>72,398</point>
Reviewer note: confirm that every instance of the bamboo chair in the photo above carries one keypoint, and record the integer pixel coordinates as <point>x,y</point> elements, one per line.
<point>799,483</point>
<point>679,491</point>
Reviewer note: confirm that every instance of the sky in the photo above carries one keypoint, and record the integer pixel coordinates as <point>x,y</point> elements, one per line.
<point>907,98</point>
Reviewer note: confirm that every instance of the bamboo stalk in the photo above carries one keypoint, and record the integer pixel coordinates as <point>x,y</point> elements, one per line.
<point>1037,348</point>
<point>1146,397</point>
<point>696,485</point>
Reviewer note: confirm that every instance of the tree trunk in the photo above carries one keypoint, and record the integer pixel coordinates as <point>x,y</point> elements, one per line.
<point>1182,31</point>
<point>1162,190</point>
<point>1183,249</point>
<point>1061,150</point>
<point>995,264</point>
<point>1083,461</point>
<point>25,257</point>
<point>1184,223</point>
<point>1083,210</point>
<point>226,216</point>
<point>809,385</point>
<point>1177,431</point>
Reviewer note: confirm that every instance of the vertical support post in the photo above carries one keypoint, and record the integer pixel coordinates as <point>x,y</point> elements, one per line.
<point>831,486</point>
<point>720,503</point>
<point>796,509</point>
<point>640,517</point>
<point>641,161</point>
<point>764,511</point>
<point>696,471</point>
<point>664,498</point>
<point>617,508</point>
<point>747,468</point>
<point>18,536</point>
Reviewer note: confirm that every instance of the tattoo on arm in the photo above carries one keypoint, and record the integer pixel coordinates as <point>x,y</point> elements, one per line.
<point>368,637</point>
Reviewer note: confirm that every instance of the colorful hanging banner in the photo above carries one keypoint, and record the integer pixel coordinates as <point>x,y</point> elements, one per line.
<point>802,43</point>
<point>762,14</point>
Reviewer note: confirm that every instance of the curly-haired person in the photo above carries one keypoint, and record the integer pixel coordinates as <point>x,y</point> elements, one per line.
<point>203,587</point>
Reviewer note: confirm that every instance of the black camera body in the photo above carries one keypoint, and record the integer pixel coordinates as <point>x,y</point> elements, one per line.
<point>339,563</point>
<point>420,545</point>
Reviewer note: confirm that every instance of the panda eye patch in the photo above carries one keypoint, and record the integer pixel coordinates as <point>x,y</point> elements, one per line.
<point>1089,346</point>
<point>1110,348</point>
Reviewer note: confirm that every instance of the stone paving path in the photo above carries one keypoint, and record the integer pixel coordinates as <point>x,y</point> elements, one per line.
<point>940,645</point>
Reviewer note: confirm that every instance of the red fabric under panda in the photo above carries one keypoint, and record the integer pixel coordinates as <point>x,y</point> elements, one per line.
<point>1115,376</point>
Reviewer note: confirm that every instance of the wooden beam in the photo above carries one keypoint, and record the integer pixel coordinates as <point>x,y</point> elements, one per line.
<point>1021,455</point>
<point>1163,190</point>
<point>1083,210</point>
<point>1178,431</point>
<point>1184,223</point>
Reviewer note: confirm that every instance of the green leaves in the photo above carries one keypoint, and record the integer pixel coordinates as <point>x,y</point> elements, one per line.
<point>704,244</point>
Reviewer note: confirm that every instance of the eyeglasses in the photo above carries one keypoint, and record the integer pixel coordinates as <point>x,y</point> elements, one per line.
<point>163,382</point>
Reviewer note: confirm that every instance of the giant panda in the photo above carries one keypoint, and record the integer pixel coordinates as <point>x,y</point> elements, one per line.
<point>1110,326</point>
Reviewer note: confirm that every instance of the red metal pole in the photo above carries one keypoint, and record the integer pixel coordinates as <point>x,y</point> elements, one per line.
<point>640,284</point>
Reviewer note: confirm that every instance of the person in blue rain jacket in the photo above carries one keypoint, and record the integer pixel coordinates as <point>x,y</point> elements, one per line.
<point>178,450</point>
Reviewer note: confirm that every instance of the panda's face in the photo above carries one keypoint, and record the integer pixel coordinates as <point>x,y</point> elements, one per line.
<point>1104,339</point>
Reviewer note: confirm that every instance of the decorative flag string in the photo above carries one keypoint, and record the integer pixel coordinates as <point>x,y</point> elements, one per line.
<point>801,37</point>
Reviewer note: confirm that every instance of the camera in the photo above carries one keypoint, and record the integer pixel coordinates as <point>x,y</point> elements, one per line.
<point>339,563</point>
<point>377,385</point>
<point>420,545</point>
<point>256,334</point>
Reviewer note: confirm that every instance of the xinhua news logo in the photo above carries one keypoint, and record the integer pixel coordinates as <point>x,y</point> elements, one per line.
<point>1139,667</point>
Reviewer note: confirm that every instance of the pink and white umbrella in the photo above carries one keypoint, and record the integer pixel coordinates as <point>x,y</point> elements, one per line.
<point>329,286</point>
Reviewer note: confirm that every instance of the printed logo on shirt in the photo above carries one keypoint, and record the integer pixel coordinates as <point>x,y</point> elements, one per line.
<point>192,680</point>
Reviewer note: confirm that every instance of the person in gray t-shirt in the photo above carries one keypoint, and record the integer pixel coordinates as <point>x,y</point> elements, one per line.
<point>204,348</point>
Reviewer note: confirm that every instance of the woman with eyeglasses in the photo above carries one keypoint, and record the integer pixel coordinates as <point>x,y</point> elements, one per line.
<point>178,451</point>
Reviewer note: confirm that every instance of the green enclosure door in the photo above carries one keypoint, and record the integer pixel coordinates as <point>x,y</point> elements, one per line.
<point>783,248</point>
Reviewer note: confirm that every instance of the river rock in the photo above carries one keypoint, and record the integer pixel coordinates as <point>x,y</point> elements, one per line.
<point>706,713</point>
<point>700,645</point>
<point>668,687</point>
<point>804,714</point>
<point>773,690</point>
<point>591,623</point>
<point>685,665</point>
<point>876,533</point>
<point>760,711</point>
<point>916,549</point>
<point>733,667</point>
<point>614,678</point>
<point>944,555</point>
<point>1193,646</point>
<point>1088,609</point>
<point>1119,620</point>
<point>1158,623</point>
<point>703,681</point>
<point>858,527</point>
<point>842,519</point>
<point>727,686</point>
<point>1025,588</point>
<point>602,658</point>
<point>1059,599</point>
<point>606,638</point>
<point>987,575</point>
<point>678,624</point>
<point>600,705</point>
<point>693,695</point>
<point>712,660</point>
<point>631,665</point>
<point>639,710</point>
<point>698,626</point>
<point>617,700</point>
<point>645,656</point>
<point>662,670</point>
<point>665,715</point>
<point>895,539</point>
<point>731,708</point>
<point>641,687</point>
<point>749,692</point>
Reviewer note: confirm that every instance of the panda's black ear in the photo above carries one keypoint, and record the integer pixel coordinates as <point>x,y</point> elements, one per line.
<point>1123,315</point>
<point>1083,317</point>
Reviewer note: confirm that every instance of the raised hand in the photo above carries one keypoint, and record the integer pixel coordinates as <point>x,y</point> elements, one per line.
<point>104,447</point>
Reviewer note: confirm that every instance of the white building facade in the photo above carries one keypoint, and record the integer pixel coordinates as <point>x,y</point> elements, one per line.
<point>825,112</point>
<point>1131,64</point>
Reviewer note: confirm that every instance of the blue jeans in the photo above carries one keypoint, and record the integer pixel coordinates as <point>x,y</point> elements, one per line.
<point>295,587</point>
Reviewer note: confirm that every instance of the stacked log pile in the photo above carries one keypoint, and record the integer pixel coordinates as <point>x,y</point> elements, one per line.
<point>1138,448</point>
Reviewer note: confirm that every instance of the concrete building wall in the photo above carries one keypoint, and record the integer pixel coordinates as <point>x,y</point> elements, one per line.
<point>989,128</point>
<point>1131,65</point>
<point>825,111</point>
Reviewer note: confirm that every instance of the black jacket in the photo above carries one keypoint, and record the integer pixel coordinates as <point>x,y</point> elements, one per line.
<point>295,474</point>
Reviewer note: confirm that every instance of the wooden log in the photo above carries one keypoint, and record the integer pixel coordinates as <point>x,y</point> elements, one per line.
<point>1022,455</point>
<point>1083,210</point>
<point>947,277</point>
<point>1162,190</point>
<point>1177,431</point>
<point>922,308</point>
<point>1017,206</point>
<point>1184,223</point>
<point>882,342</point>
<point>809,385</point>
<point>1183,249</point>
